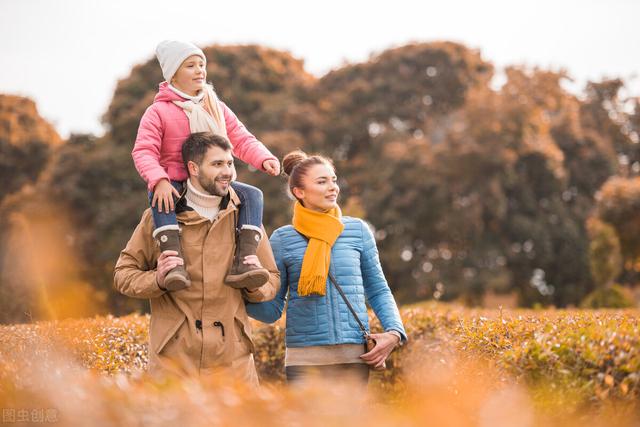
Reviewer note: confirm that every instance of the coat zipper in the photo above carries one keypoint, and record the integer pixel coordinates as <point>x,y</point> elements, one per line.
<point>217,323</point>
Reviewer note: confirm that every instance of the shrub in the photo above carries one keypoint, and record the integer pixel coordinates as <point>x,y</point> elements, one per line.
<point>614,296</point>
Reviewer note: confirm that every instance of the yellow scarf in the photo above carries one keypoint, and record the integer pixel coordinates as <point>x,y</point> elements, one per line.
<point>322,229</point>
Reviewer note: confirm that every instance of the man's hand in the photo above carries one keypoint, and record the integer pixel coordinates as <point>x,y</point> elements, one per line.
<point>385,343</point>
<point>252,260</point>
<point>167,261</point>
<point>272,167</point>
<point>163,194</point>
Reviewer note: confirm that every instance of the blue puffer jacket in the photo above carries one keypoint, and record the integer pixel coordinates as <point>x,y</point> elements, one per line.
<point>325,320</point>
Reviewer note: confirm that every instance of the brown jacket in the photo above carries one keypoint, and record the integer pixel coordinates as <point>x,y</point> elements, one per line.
<point>203,329</point>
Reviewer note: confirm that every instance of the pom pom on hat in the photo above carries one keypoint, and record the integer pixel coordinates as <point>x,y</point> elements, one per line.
<point>172,53</point>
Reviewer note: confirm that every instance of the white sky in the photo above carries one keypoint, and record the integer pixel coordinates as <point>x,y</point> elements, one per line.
<point>68,54</point>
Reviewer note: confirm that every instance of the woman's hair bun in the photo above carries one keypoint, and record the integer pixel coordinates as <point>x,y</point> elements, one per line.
<point>292,159</point>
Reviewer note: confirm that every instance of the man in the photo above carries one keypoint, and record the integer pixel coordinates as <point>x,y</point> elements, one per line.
<point>202,329</point>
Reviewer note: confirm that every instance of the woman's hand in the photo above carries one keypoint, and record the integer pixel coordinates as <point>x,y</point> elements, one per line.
<point>272,167</point>
<point>385,343</point>
<point>167,261</point>
<point>163,194</point>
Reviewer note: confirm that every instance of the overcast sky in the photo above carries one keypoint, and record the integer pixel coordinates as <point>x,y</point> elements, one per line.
<point>68,54</point>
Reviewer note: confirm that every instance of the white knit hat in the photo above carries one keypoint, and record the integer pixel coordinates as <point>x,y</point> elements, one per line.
<point>172,53</point>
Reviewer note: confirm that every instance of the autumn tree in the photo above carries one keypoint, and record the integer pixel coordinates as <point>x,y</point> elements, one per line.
<point>26,141</point>
<point>468,187</point>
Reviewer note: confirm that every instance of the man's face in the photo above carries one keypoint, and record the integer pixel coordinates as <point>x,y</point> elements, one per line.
<point>215,173</point>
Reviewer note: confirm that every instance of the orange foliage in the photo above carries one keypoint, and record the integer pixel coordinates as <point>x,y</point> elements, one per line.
<point>460,368</point>
<point>21,124</point>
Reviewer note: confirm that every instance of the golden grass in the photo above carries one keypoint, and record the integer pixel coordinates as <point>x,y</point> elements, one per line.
<point>461,368</point>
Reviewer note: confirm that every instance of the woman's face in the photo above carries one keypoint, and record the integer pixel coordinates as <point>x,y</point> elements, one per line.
<point>191,76</point>
<point>320,188</point>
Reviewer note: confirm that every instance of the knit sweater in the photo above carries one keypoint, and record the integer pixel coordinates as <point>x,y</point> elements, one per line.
<point>205,204</point>
<point>323,355</point>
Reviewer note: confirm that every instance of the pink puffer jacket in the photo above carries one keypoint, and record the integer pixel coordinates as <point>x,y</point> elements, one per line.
<point>163,129</point>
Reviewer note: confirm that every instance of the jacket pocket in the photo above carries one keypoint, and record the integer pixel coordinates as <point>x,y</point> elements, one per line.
<point>163,330</point>
<point>357,301</point>
<point>243,336</point>
<point>302,314</point>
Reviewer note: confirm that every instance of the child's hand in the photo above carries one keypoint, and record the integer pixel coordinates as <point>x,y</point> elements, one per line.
<point>272,167</point>
<point>163,194</point>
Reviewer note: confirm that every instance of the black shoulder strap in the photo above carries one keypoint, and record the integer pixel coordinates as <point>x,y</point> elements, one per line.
<point>346,300</point>
<point>344,297</point>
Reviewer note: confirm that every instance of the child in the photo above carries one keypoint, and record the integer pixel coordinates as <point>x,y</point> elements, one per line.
<point>185,104</point>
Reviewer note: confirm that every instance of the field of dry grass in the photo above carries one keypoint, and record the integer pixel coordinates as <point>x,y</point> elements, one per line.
<point>461,367</point>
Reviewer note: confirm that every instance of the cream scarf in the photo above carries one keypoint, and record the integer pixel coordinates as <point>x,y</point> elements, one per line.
<point>205,118</point>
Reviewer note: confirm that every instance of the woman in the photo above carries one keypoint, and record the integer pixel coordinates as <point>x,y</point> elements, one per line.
<point>322,334</point>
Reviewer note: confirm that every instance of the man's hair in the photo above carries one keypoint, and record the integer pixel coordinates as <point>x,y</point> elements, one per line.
<point>197,144</point>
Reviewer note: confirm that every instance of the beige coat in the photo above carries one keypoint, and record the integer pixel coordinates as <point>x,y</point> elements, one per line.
<point>203,329</point>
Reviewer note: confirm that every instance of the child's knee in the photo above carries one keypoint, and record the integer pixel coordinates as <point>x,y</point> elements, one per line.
<point>254,194</point>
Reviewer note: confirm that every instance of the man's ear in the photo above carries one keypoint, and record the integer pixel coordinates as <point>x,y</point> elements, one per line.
<point>192,168</point>
<point>298,193</point>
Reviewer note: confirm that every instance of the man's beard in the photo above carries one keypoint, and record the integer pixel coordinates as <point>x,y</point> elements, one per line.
<point>209,185</point>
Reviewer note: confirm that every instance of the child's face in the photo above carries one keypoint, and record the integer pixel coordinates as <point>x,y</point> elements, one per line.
<point>191,76</point>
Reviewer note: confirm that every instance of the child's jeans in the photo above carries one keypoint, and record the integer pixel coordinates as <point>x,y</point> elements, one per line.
<point>161,218</point>
<point>249,211</point>
<point>251,204</point>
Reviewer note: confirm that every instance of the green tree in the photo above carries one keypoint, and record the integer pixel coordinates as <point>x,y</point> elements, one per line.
<point>605,258</point>
<point>619,205</point>
<point>468,187</point>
